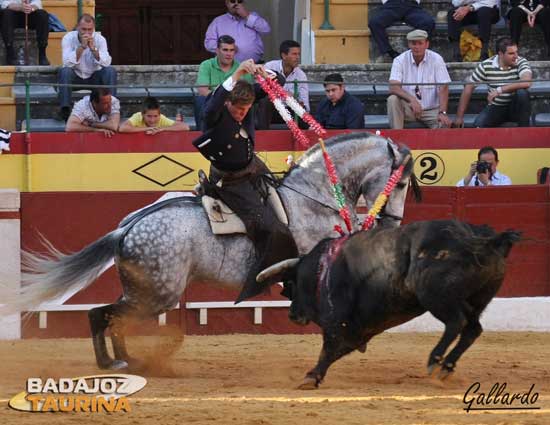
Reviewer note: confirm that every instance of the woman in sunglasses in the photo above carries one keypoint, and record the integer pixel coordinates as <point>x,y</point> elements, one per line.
<point>244,26</point>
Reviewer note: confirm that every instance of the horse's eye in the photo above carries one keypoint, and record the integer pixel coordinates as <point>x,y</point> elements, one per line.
<point>401,185</point>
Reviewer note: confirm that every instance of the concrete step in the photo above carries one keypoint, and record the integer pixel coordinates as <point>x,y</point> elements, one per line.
<point>382,122</point>
<point>50,125</point>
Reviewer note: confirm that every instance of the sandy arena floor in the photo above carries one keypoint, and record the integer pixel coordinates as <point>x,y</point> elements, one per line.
<point>245,379</point>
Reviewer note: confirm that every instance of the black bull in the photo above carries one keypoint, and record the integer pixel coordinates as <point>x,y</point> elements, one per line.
<point>358,287</point>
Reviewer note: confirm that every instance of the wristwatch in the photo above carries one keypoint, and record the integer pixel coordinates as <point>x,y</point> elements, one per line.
<point>443,112</point>
<point>472,8</point>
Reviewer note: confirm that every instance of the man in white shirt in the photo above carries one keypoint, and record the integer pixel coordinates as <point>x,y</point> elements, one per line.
<point>483,172</point>
<point>86,60</point>
<point>13,16</point>
<point>418,102</point>
<point>97,112</point>
<point>288,66</point>
<point>484,13</point>
<point>395,11</point>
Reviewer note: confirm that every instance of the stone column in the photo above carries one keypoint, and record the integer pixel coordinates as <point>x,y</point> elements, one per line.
<point>10,256</point>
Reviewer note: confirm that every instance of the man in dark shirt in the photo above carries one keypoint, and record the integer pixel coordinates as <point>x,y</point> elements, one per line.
<point>340,109</point>
<point>228,143</point>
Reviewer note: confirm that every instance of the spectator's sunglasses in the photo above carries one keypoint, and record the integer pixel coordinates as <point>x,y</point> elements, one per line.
<point>236,1</point>
<point>417,93</point>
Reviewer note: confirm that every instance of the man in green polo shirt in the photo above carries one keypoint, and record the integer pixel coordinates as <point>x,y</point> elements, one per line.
<point>214,71</point>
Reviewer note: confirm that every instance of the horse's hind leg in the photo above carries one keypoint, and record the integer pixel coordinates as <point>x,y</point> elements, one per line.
<point>100,319</point>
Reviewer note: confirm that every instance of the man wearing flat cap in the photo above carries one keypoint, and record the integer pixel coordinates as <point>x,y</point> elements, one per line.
<point>412,97</point>
<point>395,11</point>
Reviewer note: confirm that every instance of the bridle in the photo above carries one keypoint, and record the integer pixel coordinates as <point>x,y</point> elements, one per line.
<point>383,213</point>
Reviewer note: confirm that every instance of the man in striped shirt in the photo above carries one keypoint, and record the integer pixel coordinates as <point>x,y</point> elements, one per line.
<point>507,76</point>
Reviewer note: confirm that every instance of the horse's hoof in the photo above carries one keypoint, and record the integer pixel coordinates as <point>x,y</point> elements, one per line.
<point>309,383</point>
<point>118,365</point>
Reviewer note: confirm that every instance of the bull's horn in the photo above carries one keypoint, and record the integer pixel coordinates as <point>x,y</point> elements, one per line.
<point>276,269</point>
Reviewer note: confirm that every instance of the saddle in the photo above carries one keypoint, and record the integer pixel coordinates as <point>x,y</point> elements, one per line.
<point>223,220</point>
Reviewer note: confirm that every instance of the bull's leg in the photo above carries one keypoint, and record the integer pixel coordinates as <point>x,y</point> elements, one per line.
<point>100,319</point>
<point>334,347</point>
<point>469,334</point>
<point>454,323</point>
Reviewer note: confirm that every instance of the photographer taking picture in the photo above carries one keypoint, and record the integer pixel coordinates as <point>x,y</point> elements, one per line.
<point>483,172</point>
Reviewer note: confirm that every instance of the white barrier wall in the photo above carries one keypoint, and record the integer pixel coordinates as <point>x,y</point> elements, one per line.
<point>502,314</point>
<point>10,256</point>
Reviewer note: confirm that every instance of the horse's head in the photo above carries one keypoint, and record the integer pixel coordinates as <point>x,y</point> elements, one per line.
<point>364,163</point>
<point>392,213</point>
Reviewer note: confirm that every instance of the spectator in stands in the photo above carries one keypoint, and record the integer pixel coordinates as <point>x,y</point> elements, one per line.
<point>214,71</point>
<point>484,13</point>
<point>150,120</point>
<point>288,66</point>
<point>483,172</point>
<point>100,111</point>
<point>339,109</point>
<point>13,16</point>
<point>394,11</point>
<point>534,12</point>
<point>425,104</point>
<point>506,101</point>
<point>86,60</point>
<point>245,27</point>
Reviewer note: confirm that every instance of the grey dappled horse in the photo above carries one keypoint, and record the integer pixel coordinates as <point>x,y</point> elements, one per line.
<point>159,250</point>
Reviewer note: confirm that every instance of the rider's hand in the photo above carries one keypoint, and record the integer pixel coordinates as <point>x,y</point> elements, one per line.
<point>458,122</point>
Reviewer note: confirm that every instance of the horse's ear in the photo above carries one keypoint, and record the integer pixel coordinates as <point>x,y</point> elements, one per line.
<point>282,271</point>
<point>393,150</point>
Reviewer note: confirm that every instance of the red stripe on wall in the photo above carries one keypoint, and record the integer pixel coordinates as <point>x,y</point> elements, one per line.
<point>277,140</point>
<point>10,215</point>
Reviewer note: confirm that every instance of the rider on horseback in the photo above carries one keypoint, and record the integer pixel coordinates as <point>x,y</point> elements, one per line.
<point>237,176</point>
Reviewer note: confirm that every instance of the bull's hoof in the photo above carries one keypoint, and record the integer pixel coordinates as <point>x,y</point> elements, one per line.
<point>362,348</point>
<point>446,371</point>
<point>432,368</point>
<point>309,383</point>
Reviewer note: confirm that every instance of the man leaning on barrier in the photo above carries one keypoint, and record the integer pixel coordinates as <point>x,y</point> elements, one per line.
<point>99,112</point>
<point>507,74</point>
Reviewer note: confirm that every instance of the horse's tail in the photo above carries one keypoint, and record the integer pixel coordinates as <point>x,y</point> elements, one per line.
<point>46,277</point>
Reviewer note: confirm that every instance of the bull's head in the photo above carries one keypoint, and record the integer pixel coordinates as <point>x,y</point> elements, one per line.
<point>299,284</point>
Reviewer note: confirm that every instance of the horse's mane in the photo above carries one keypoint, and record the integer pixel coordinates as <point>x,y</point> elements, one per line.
<point>346,138</point>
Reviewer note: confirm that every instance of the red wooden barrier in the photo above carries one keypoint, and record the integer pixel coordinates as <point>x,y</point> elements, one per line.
<point>71,220</point>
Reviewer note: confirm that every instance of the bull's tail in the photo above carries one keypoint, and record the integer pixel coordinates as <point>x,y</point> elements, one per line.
<point>504,241</point>
<point>51,276</point>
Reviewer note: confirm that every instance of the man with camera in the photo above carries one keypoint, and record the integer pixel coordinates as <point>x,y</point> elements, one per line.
<point>483,172</point>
